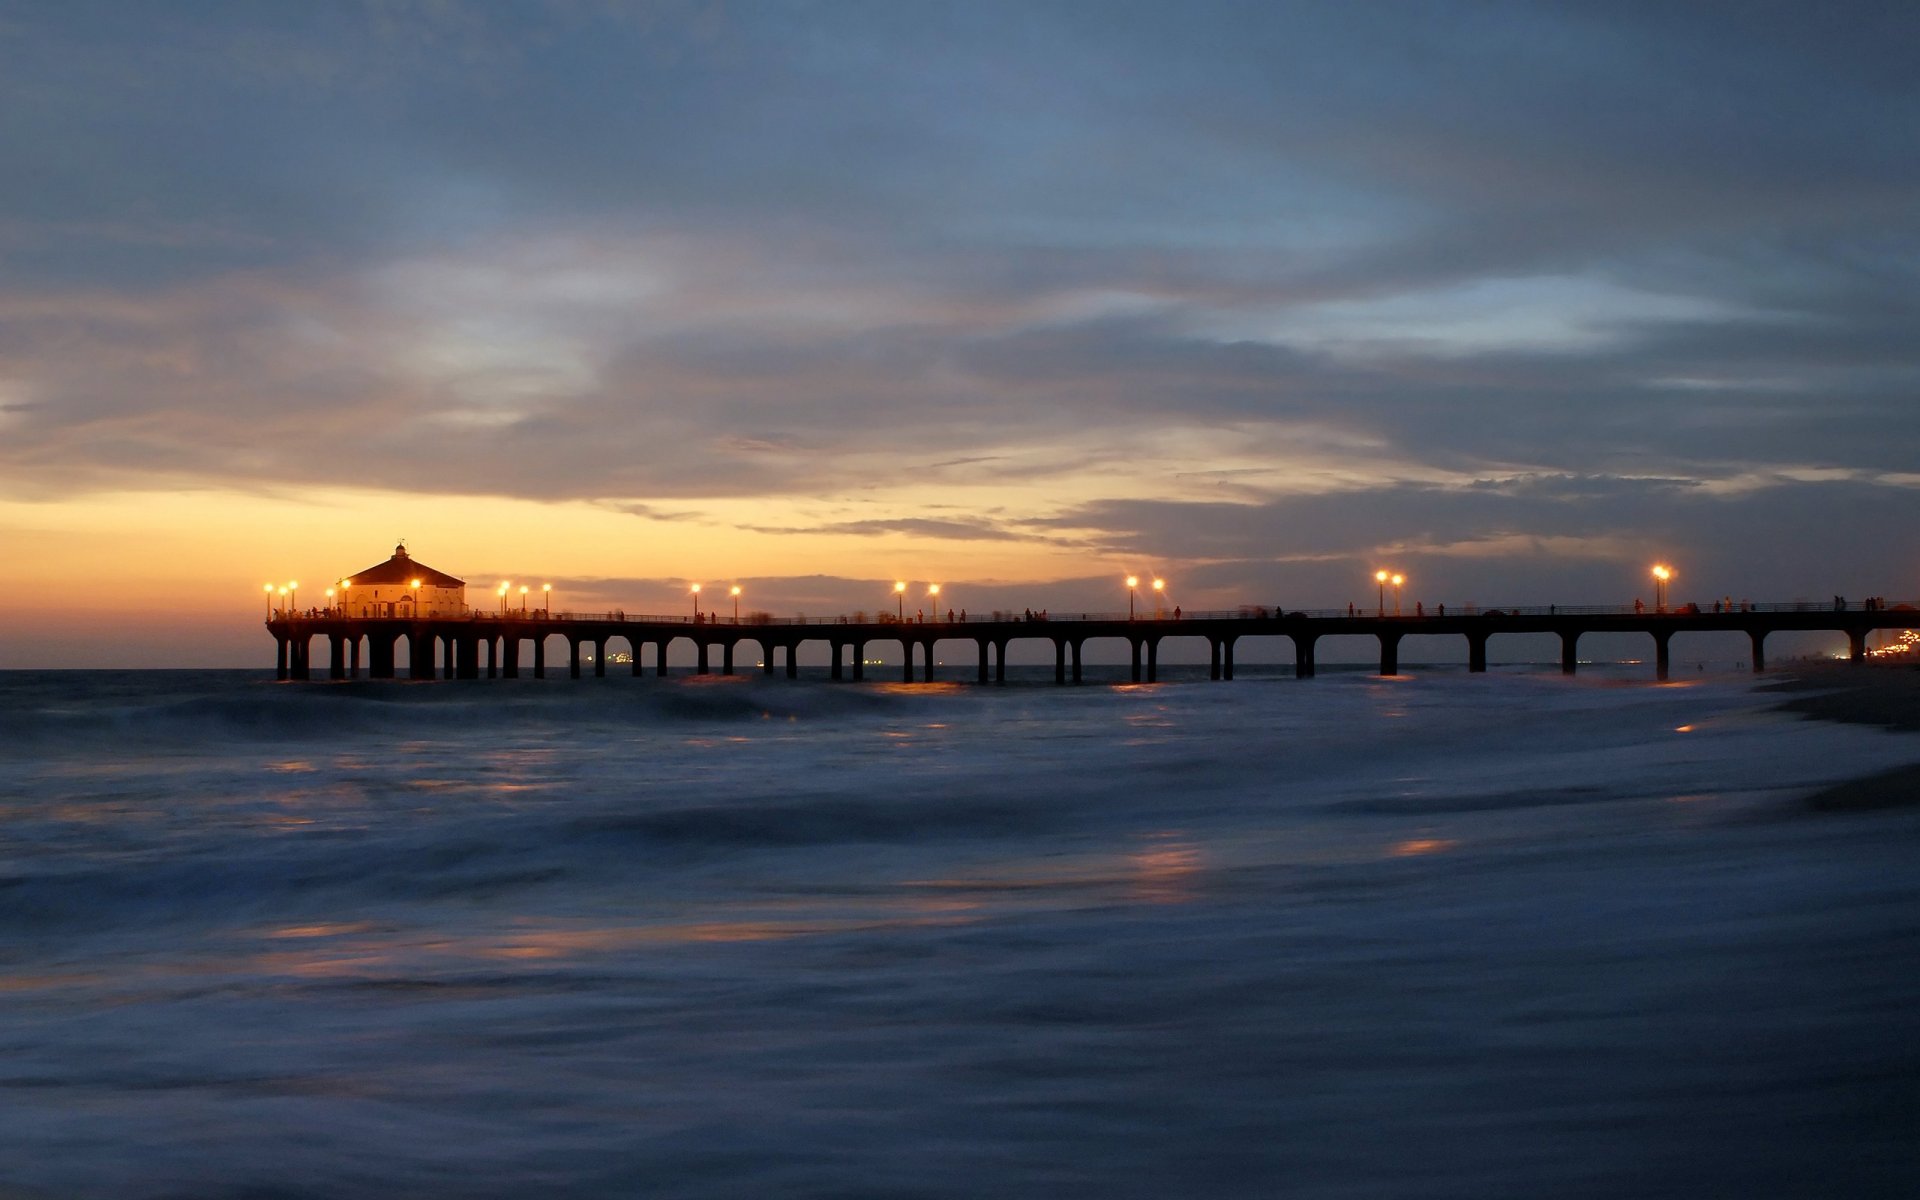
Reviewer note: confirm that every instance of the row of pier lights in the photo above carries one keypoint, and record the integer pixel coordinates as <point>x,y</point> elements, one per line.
<point>289,594</point>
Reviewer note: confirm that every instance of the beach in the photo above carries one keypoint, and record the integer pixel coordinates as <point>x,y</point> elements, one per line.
<point>1883,695</point>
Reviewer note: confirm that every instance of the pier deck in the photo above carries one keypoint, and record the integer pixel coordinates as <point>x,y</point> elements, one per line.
<point>488,645</point>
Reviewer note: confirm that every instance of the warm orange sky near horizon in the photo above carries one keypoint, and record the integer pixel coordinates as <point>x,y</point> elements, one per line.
<point>162,572</point>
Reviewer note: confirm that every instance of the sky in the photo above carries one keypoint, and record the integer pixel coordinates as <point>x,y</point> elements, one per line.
<point>1517,299</point>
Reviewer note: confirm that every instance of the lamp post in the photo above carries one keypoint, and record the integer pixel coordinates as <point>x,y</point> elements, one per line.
<point>546,600</point>
<point>268,588</point>
<point>696,604</point>
<point>286,610</point>
<point>900,600</point>
<point>329,600</point>
<point>1397,580</point>
<point>933,596</point>
<point>1380,578</point>
<point>415,585</point>
<point>736,603</point>
<point>523,599</point>
<point>503,598</point>
<point>1661,574</point>
<point>293,590</point>
<point>1159,593</point>
<point>346,601</point>
<point>1133,588</point>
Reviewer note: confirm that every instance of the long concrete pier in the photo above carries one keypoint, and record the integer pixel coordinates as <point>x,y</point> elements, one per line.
<point>491,645</point>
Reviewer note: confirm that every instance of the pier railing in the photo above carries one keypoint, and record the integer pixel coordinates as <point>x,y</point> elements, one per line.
<point>1042,616</point>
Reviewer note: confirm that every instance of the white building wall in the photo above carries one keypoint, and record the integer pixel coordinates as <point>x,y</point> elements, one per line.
<point>397,600</point>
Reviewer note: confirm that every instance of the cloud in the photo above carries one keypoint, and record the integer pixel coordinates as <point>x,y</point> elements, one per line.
<point>923,527</point>
<point>1228,285</point>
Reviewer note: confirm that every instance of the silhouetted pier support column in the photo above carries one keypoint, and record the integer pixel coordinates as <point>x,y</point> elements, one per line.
<point>660,658</point>
<point>702,666</point>
<point>726,657</point>
<point>906,652</point>
<point>337,659</point>
<point>1758,638</point>
<point>983,659</point>
<point>493,657</point>
<point>1389,653</point>
<point>419,656</point>
<point>467,660</point>
<point>1569,651</point>
<point>573,657</point>
<point>599,658</point>
<point>639,657</point>
<point>1059,660</point>
<point>1856,645</point>
<point>1303,667</point>
<point>766,657</point>
<point>282,669</point>
<point>1076,643</point>
<point>1226,657</point>
<point>540,657</point>
<point>793,660</point>
<point>1000,661</point>
<point>1213,658</point>
<point>1153,660</point>
<point>380,655</point>
<point>1135,643</point>
<point>1662,662</point>
<point>1477,653</point>
<point>448,659</point>
<point>510,656</point>
<point>353,657</point>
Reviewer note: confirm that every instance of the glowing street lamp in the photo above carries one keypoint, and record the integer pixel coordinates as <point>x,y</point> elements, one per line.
<point>286,610</point>
<point>329,599</point>
<point>1661,574</point>
<point>900,600</point>
<point>346,601</point>
<point>696,604</point>
<point>415,585</point>
<point>1397,580</point>
<point>1133,587</point>
<point>1159,593</point>
<point>1380,577</point>
<point>736,603</point>
<point>546,598</point>
<point>503,598</point>
<point>268,588</point>
<point>293,590</point>
<point>523,599</point>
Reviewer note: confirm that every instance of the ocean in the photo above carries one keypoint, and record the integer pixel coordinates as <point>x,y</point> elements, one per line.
<point>1440,935</point>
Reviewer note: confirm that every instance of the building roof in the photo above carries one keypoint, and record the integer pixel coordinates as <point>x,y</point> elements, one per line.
<point>402,569</point>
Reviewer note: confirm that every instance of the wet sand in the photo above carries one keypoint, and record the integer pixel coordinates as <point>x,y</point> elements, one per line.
<point>1872,694</point>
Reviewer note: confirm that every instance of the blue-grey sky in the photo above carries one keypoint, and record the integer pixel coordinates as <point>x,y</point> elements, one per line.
<point>1517,297</point>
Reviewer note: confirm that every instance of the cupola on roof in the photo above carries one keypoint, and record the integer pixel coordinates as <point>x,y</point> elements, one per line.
<point>403,569</point>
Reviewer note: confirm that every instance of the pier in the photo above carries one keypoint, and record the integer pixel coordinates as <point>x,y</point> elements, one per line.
<point>475,645</point>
